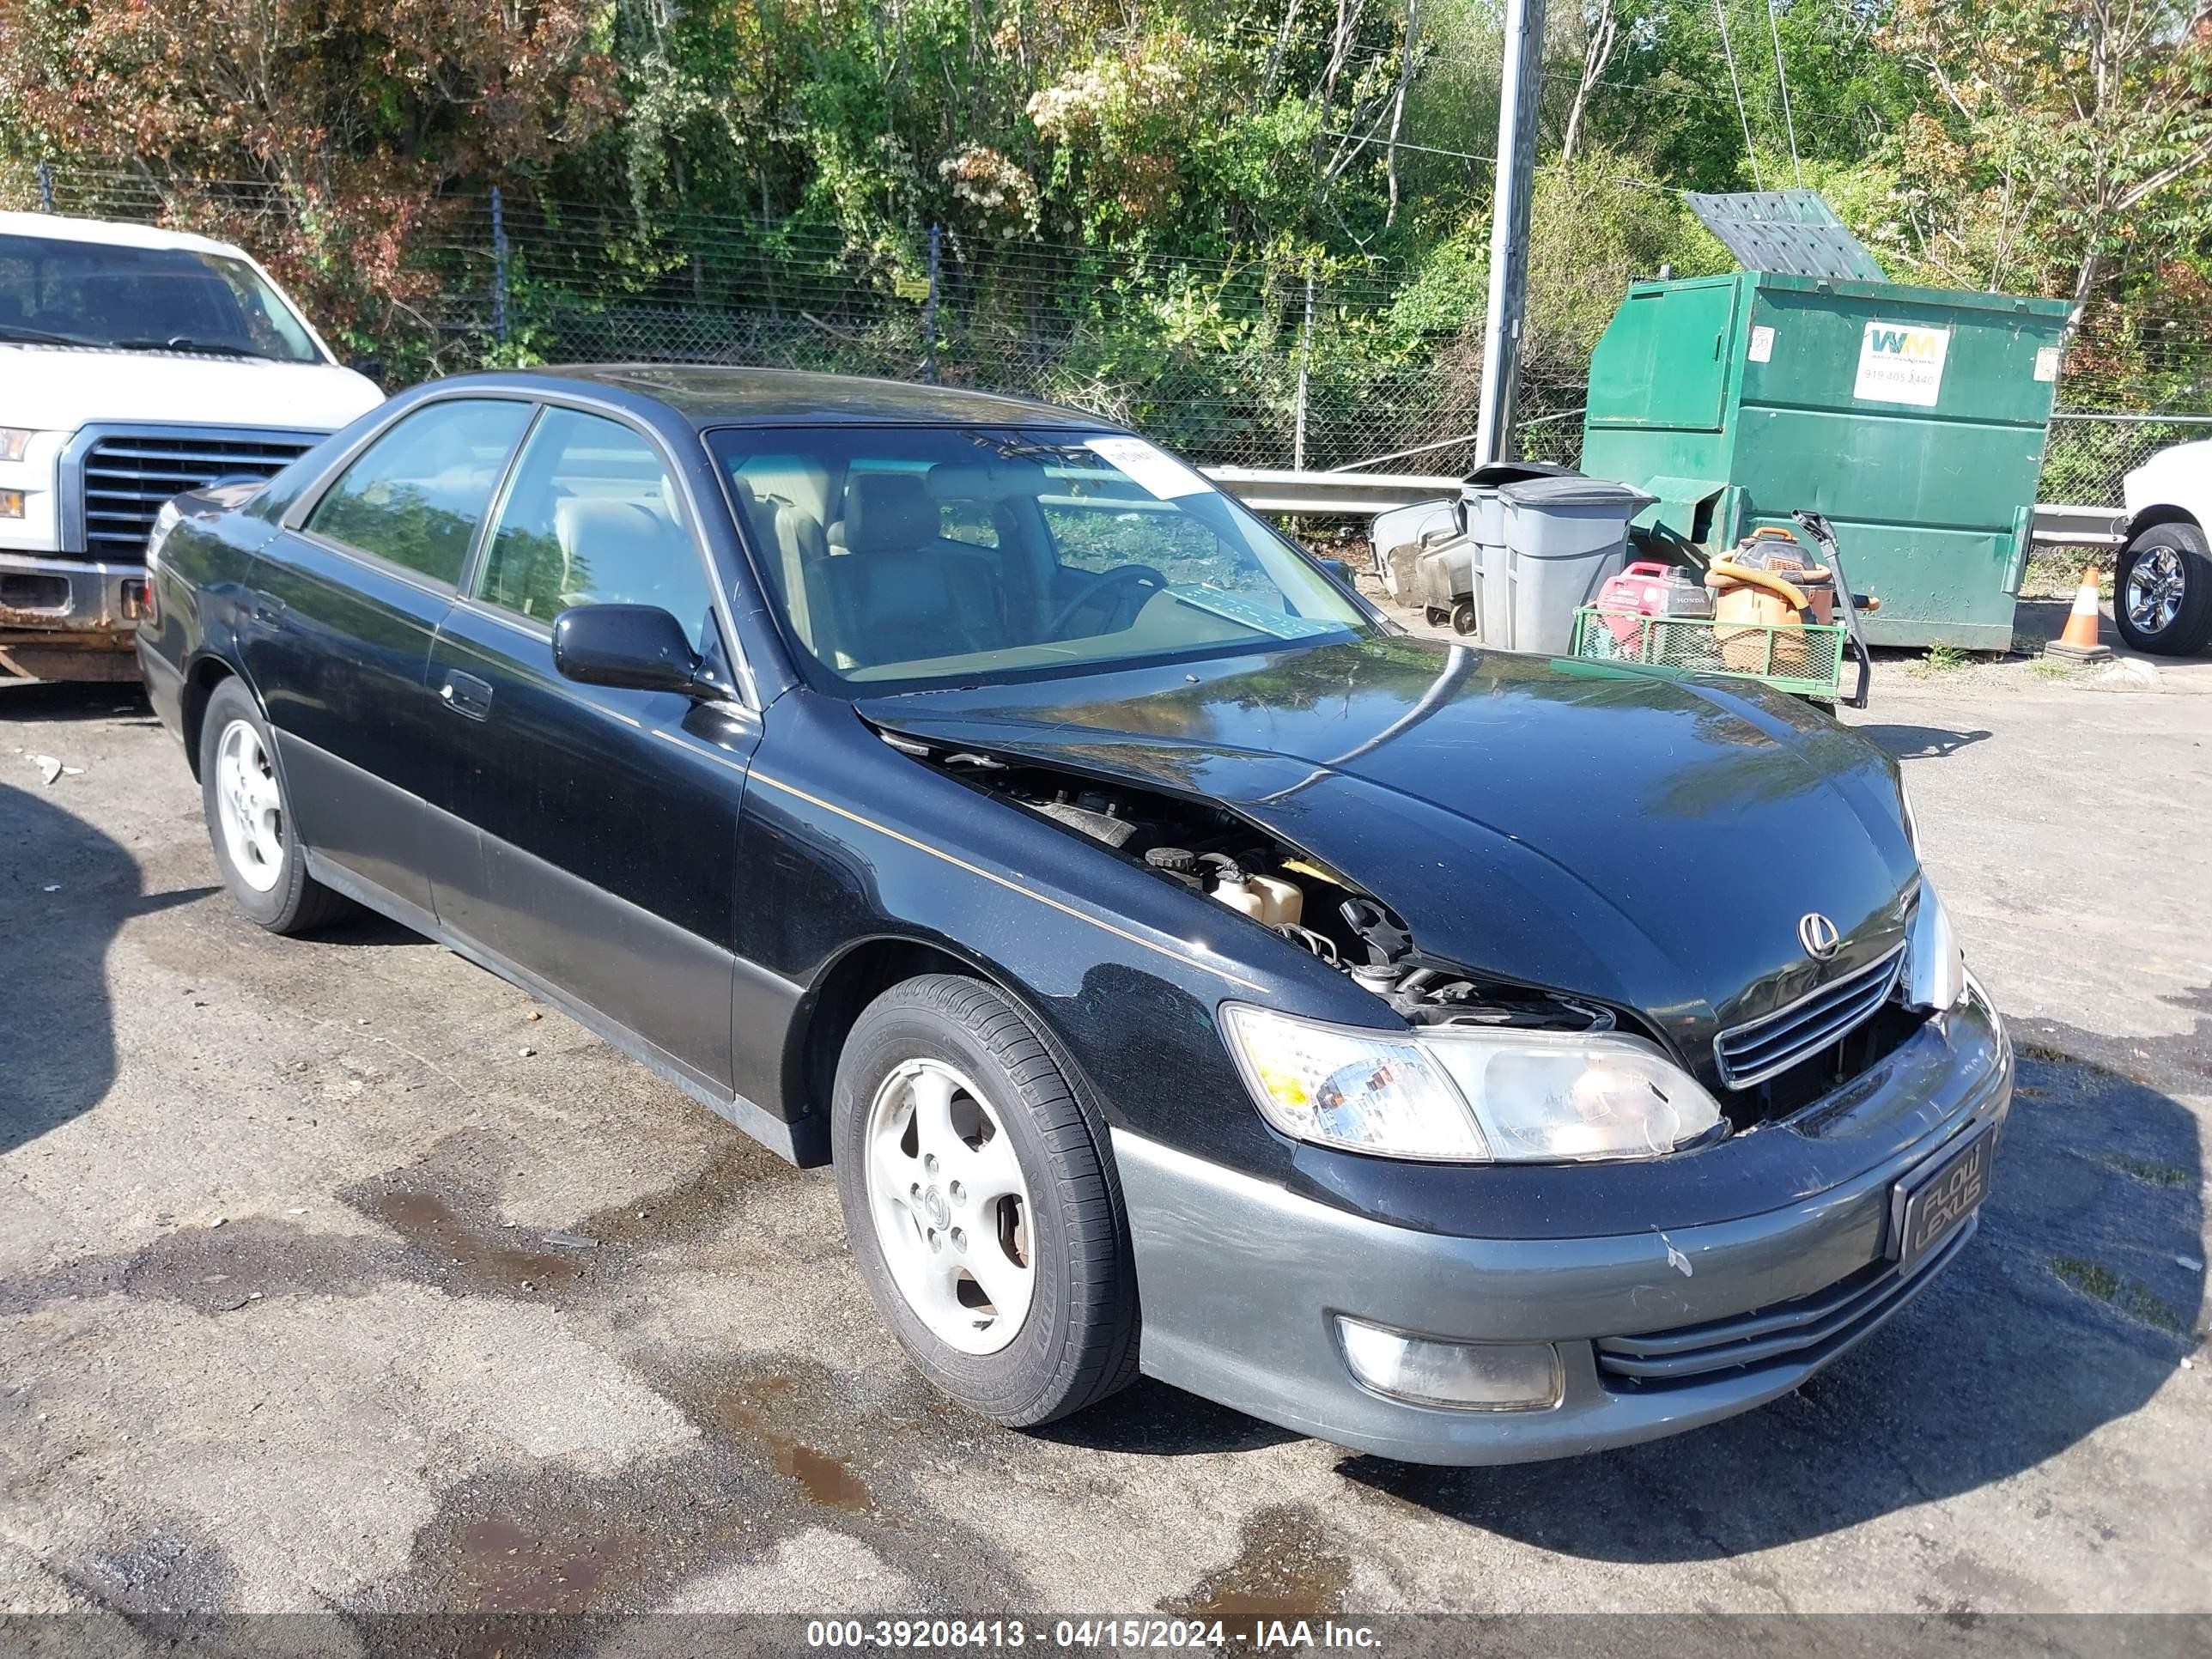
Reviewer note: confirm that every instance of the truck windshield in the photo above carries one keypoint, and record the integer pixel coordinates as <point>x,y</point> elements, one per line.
<point>58,291</point>
<point>921,555</point>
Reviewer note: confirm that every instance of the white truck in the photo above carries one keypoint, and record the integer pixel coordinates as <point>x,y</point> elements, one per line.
<point>135,363</point>
<point>2162,590</point>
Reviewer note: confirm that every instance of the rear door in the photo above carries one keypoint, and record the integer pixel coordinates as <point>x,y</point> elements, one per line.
<point>608,817</point>
<point>338,620</point>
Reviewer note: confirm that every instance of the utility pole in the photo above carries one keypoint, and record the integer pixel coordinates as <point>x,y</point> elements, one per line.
<point>1508,228</point>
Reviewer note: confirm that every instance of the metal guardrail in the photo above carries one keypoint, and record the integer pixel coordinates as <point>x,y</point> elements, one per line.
<point>1346,494</point>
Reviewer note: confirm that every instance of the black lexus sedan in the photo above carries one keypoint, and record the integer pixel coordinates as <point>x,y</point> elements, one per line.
<point>1463,1056</point>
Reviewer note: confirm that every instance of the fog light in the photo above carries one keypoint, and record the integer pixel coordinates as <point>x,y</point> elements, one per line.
<point>1476,1376</point>
<point>11,503</point>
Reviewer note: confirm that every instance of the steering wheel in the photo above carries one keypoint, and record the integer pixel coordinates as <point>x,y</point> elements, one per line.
<point>1121,575</point>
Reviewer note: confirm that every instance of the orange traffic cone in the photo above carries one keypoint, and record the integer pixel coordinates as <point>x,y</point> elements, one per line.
<point>2079,641</point>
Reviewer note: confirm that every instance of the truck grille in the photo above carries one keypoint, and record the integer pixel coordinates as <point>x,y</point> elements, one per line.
<point>127,476</point>
<point>1798,1332</point>
<point>1754,1052</point>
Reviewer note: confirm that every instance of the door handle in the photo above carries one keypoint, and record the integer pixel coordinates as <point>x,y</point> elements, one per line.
<point>268,612</point>
<point>464,694</point>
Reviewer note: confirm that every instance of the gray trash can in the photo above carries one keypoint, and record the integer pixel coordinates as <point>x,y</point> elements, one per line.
<point>1484,513</point>
<point>1400,536</point>
<point>1558,539</point>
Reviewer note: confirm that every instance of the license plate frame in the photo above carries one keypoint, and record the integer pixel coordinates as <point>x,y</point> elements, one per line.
<point>1929,1204</point>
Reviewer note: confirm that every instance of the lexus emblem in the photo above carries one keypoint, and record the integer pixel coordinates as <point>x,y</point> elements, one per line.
<point>1819,936</point>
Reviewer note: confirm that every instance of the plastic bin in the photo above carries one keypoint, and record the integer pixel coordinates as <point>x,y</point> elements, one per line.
<point>1559,538</point>
<point>1400,536</point>
<point>1485,516</point>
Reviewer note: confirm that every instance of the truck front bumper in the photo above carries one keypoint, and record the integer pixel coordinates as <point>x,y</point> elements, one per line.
<point>1241,1283</point>
<point>69,618</point>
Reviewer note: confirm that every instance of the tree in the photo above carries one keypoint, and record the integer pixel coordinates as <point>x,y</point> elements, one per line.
<point>2068,136</point>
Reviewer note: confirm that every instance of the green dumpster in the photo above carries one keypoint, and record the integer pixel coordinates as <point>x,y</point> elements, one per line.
<point>1914,418</point>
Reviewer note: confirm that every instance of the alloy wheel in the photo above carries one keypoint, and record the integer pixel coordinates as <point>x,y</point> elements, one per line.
<point>251,808</point>
<point>949,1206</point>
<point>2154,590</point>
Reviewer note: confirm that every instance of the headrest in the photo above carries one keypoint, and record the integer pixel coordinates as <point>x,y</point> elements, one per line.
<point>582,523</point>
<point>889,511</point>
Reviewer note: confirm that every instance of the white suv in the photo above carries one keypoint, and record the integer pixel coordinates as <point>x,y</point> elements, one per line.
<point>2162,591</point>
<point>135,363</point>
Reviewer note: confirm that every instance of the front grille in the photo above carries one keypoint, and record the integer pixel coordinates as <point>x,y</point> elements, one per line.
<point>127,476</point>
<point>1797,1334</point>
<point>1755,1051</point>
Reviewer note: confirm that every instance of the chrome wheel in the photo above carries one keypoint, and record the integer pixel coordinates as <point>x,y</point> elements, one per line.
<point>950,1208</point>
<point>249,808</point>
<point>2156,586</point>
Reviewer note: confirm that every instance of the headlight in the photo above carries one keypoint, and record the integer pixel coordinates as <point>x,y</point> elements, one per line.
<point>164,521</point>
<point>15,442</point>
<point>1466,1095</point>
<point>1935,967</point>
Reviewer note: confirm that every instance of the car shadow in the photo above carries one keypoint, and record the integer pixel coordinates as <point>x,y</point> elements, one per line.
<point>58,1025</point>
<point>2069,1309</point>
<point>1920,742</point>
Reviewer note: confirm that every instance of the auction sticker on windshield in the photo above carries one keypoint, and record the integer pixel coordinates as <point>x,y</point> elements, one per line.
<point>1151,469</point>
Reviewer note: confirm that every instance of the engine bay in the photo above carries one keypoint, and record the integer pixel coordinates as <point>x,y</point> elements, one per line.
<point>1212,852</point>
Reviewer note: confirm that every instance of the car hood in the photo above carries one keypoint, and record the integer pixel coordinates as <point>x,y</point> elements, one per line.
<point>61,388</point>
<point>1650,841</point>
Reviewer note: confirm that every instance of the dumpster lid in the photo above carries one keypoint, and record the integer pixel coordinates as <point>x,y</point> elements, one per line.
<point>1678,501</point>
<point>1794,232</point>
<point>1574,490</point>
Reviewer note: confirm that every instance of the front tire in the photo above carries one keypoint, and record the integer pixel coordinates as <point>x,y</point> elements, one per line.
<point>2163,592</point>
<point>250,822</point>
<point>983,1211</point>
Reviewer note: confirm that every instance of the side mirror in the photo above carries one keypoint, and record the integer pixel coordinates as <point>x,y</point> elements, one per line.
<point>1339,572</point>
<point>639,648</point>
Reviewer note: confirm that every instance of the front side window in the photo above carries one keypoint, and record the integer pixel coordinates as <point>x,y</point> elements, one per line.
<point>928,554</point>
<point>592,519</point>
<point>59,291</point>
<point>416,496</point>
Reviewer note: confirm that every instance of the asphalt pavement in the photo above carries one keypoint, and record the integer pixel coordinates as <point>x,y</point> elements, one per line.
<point>336,1276</point>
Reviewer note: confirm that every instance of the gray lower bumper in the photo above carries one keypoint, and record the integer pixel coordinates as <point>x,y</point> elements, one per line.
<point>1240,1282</point>
<point>67,595</point>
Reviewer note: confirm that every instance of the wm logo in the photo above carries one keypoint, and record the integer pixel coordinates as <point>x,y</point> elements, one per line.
<point>1902,343</point>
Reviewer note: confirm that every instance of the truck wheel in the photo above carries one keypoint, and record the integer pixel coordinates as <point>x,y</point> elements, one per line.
<point>1437,618</point>
<point>1462,617</point>
<point>2163,592</point>
<point>982,1208</point>
<point>250,822</point>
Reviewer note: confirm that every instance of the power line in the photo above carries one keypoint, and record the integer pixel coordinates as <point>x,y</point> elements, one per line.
<point>1782,75</point>
<point>1742,115</point>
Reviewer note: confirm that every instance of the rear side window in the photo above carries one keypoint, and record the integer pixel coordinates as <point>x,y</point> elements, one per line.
<point>592,519</point>
<point>416,495</point>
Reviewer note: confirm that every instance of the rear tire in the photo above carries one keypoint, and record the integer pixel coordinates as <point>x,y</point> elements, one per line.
<point>2163,592</point>
<point>959,1145</point>
<point>250,822</point>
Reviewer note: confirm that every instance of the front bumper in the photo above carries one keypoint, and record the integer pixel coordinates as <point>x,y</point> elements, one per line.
<point>69,618</point>
<point>1240,1282</point>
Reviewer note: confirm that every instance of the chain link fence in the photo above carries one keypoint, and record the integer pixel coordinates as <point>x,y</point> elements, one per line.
<point>1253,362</point>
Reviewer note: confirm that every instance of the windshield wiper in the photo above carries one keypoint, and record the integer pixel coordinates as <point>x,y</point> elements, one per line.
<point>41,336</point>
<point>186,342</point>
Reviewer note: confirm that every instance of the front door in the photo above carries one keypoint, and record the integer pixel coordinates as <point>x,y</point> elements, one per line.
<point>339,616</point>
<point>608,817</point>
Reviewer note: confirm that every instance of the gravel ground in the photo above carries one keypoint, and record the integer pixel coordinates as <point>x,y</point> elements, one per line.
<point>334,1276</point>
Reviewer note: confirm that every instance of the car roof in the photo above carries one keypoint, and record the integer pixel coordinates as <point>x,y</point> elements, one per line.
<point>110,233</point>
<point>709,395</point>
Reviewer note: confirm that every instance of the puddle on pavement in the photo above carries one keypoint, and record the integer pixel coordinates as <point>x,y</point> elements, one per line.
<point>477,1260</point>
<point>1286,1570</point>
<point>696,1206</point>
<point>739,1411</point>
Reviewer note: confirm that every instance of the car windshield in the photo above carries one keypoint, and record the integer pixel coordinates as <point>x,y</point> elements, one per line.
<point>928,554</point>
<point>58,291</point>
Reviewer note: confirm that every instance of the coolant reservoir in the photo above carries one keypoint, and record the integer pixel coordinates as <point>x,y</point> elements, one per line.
<point>1266,899</point>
